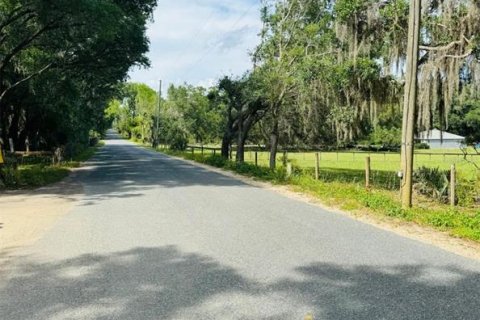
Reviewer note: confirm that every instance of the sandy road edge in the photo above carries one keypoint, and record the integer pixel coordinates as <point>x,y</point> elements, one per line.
<point>462,247</point>
<point>27,215</point>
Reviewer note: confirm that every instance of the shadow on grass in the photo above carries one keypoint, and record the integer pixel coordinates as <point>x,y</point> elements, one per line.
<point>166,283</point>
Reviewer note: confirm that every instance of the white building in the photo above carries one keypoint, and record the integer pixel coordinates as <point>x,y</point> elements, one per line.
<point>437,139</point>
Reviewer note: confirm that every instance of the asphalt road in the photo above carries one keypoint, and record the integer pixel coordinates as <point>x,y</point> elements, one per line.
<point>157,238</point>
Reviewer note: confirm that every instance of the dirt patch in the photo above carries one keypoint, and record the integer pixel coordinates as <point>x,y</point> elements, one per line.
<point>443,240</point>
<point>26,215</point>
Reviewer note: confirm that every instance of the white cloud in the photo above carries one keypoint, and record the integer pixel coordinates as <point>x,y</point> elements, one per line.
<point>198,41</point>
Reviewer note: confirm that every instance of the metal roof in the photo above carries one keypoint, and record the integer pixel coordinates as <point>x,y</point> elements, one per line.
<point>436,134</point>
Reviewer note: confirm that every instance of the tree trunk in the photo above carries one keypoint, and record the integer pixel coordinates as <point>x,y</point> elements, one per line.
<point>227,136</point>
<point>240,156</point>
<point>226,145</point>
<point>247,126</point>
<point>14,129</point>
<point>274,145</point>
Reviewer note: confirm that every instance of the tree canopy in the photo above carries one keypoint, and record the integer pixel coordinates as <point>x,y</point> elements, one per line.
<point>61,62</point>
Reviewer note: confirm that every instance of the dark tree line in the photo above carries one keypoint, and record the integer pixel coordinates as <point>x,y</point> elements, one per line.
<point>61,62</point>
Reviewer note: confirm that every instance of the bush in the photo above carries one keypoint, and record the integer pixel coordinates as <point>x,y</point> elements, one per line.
<point>468,190</point>
<point>431,182</point>
<point>422,146</point>
<point>179,144</point>
<point>386,137</point>
<point>9,177</point>
<point>71,150</point>
<point>177,139</point>
<point>216,161</point>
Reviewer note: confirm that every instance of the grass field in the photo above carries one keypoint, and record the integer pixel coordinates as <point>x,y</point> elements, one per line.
<point>350,166</point>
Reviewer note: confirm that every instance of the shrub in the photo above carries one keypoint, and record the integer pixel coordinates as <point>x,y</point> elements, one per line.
<point>9,177</point>
<point>216,161</point>
<point>422,146</point>
<point>431,182</point>
<point>178,143</point>
<point>468,190</point>
<point>387,137</point>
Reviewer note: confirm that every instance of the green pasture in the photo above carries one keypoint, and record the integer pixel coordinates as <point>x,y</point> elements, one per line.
<point>350,166</point>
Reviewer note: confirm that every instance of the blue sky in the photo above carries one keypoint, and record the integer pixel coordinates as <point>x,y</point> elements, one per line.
<point>198,41</point>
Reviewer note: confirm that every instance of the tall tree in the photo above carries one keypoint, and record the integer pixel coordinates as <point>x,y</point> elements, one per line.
<point>74,53</point>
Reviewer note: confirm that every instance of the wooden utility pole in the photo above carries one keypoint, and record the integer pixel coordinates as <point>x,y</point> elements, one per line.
<point>410,103</point>
<point>157,120</point>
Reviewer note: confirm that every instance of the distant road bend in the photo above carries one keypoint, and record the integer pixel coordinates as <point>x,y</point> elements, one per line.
<point>158,238</point>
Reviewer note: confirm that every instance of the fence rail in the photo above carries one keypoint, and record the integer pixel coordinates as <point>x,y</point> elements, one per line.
<point>33,153</point>
<point>360,152</point>
<point>379,169</point>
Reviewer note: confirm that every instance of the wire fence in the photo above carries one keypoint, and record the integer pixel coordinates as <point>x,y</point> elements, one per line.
<point>350,166</point>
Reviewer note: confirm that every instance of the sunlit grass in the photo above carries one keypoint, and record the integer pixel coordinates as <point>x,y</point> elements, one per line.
<point>386,162</point>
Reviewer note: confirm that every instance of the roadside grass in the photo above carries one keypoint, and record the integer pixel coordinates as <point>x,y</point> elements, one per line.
<point>83,156</point>
<point>41,172</point>
<point>349,167</point>
<point>462,222</point>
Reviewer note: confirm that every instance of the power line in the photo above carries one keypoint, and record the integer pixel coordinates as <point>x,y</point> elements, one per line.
<point>190,43</point>
<point>211,47</point>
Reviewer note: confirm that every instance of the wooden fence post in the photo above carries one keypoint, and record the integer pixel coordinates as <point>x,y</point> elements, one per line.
<point>193,150</point>
<point>256,158</point>
<point>27,146</point>
<point>317,166</point>
<point>12,145</point>
<point>285,158</point>
<point>367,172</point>
<point>289,169</point>
<point>453,182</point>
<point>214,152</point>
<point>202,150</point>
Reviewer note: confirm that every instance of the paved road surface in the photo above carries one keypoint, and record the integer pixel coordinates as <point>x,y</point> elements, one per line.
<point>156,238</point>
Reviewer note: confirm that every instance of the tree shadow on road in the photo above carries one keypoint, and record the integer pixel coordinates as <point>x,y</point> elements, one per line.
<point>124,171</point>
<point>165,283</point>
<point>398,292</point>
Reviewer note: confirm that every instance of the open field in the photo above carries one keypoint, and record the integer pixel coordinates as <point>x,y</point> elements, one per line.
<point>350,166</point>
<point>380,161</point>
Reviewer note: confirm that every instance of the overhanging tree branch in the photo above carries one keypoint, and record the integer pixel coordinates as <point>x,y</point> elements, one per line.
<point>16,84</point>
<point>447,46</point>
<point>26,43</point>
<point>14,16</point>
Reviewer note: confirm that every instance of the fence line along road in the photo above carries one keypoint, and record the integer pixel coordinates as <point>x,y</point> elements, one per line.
<point>310,151</point>
<point>350,166</point>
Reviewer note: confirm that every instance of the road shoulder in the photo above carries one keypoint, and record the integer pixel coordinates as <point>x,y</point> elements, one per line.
<point>26,215</point>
